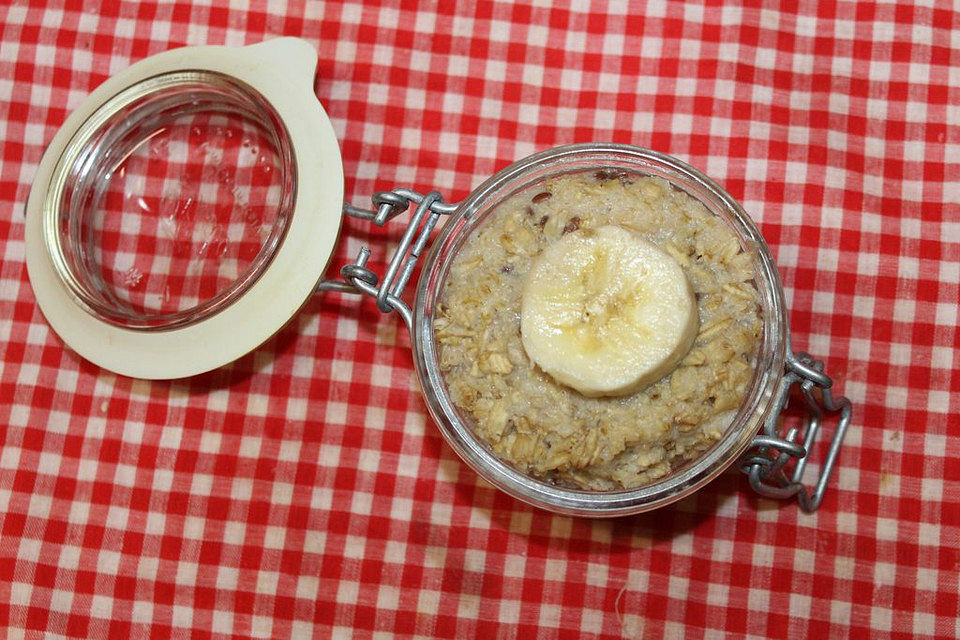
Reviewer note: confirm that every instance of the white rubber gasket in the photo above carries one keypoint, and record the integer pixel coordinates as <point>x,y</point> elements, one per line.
<point>282,71</point>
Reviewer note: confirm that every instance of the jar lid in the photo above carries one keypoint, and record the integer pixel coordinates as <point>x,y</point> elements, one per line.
<point>187,209</point>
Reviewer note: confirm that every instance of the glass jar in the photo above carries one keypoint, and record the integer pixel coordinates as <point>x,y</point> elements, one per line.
<point>776,368</point>
<point>69,233</point>
<point>758,403</point>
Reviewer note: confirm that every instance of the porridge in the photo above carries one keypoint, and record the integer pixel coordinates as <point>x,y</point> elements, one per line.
<point>581,439</point>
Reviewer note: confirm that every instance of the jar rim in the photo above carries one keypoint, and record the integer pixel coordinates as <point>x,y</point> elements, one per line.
<point>755,409</point>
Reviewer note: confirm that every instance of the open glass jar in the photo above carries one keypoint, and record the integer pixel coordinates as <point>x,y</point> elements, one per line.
<point>244,217</point>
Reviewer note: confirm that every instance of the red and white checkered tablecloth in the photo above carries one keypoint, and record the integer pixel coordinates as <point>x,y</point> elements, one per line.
<point>304,492</point>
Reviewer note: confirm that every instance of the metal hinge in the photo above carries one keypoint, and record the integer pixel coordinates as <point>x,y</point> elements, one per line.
<point>771,452</point>
<point>357,278</point>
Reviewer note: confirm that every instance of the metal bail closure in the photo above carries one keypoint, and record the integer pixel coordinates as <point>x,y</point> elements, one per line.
<point>388,292</point>
<point>187,209</point>
<point>767,461</point>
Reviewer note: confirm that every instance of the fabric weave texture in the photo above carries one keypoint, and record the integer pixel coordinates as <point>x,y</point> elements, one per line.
<point>303,491</point>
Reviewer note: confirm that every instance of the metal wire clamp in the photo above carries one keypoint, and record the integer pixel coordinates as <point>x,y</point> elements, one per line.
<point>359,279</point>
<point>770,452</point>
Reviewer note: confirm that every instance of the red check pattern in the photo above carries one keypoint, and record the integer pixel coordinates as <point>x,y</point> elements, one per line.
<point>303,491</point>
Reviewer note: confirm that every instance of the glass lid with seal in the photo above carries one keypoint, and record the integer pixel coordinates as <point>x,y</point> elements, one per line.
<point>598,330</point>
<point>186,210</point>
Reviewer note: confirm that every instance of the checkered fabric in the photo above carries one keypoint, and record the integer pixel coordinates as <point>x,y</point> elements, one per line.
<point>303,491</point>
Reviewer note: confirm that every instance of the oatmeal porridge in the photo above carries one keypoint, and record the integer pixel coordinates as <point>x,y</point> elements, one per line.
<point>550,430</point>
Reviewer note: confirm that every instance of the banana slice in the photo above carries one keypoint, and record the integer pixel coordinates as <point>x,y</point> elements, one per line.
<point>606,312</point>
